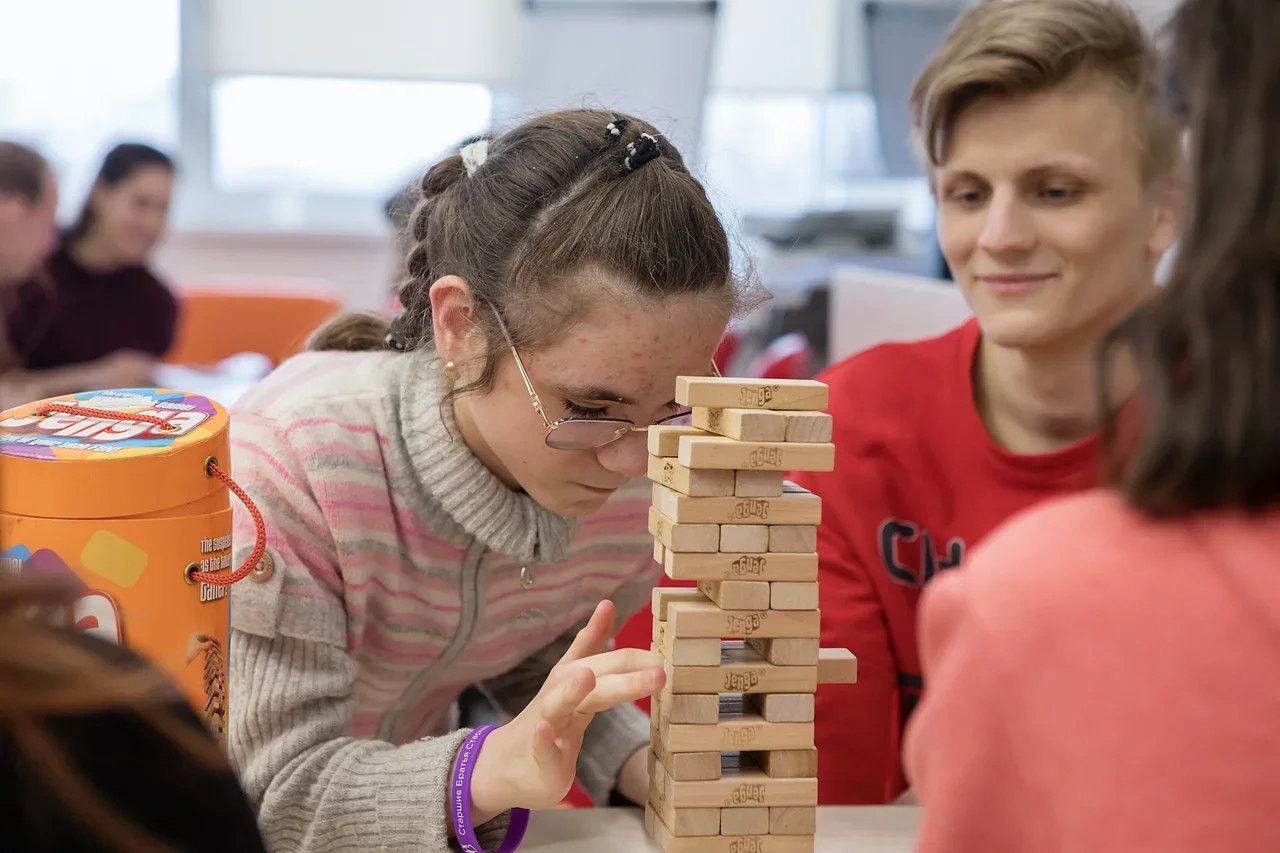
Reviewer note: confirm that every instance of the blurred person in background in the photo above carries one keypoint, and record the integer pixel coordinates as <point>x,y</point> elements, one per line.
<point>95,316</point>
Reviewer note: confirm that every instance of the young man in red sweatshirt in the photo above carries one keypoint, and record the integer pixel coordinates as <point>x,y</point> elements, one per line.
<point>1053,175</point>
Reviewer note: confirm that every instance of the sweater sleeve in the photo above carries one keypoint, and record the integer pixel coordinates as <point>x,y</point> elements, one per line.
<point>292,686</point>
<point>317,790</point>
<point>614,734</point>
<point>959,752</point>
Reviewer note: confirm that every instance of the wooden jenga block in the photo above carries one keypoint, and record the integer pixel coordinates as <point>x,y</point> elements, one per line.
<point>757,567</point>
<point>749,820</point>
<point>798,395</point>
<point>743,788</point>
<point>704,619</point>
<point>686,766</point>
<point>695,709</point>
<point>807,427</point>
<point>784,707</point>
<point>837,666</point>
<point>787,763</point>
<point>662,596</point>
<point>664,441</point>
<point>757,484</point>
<point>659,552</point>
<point>789,650</point>
<point>687,651</point>
<point>788,595</point>
<point>682,822</point>
<point>793,538</point>
<point>686,538</point>
<point>703,484</point>
<point>669,843</point>
<point>744,538</point>
<point>793,820</point>
<point>793,508</point>
<point>742,424</point>
<point>716,453</point>
<point>737,595</point>
<point>741,670</point>
<point>749,731</point>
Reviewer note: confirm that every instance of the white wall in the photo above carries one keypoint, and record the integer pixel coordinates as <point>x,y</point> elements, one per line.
<point>359,268</point>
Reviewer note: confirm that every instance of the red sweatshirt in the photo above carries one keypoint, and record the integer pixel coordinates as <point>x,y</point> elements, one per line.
<point>917,482</point>
<point>1102,682</point>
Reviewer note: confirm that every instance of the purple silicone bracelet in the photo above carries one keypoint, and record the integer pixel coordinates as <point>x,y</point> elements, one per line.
<point>462,827</point>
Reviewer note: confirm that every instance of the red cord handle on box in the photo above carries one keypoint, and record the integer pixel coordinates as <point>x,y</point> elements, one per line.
<point>211,469</point>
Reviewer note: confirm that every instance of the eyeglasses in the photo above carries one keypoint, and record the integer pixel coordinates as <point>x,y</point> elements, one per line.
<point>583,433</point>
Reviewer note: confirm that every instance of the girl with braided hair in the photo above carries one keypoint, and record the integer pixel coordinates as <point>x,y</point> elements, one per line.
<point>452,500</point>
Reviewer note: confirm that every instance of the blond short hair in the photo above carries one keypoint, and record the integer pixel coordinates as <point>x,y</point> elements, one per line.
<point>1020,47</point>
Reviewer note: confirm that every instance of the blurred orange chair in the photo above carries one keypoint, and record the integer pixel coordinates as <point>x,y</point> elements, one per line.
<point>216,323</point>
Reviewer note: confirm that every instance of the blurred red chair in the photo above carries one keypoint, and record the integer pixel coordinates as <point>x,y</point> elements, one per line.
<point>216,322</point>
<point>728,347</point>
<point>788,357</point>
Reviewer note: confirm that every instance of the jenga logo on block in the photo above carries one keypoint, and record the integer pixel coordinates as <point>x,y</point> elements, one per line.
<point>762,457</point>
<point>744,794</point>
<point>741,682</point>
<point>714,417</point>
<point>746,845</point>
<point>748,565</point>
<point>745,625</point>
<point>668,474</point>
<point>754,508</point>
<point>741,737</point>
<point>757,397</point>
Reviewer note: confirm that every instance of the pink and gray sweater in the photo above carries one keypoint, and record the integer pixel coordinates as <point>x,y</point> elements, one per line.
<point>396,584</point>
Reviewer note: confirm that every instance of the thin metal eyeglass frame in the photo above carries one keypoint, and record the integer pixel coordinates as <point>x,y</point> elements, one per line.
<point>551,425</point>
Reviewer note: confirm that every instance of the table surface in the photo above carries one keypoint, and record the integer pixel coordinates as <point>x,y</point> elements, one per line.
<point>866,829</point>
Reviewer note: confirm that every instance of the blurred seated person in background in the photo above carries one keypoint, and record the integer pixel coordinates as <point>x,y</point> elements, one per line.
<point>1057,183</point>
<point>95,316</point>
<point>28,203</point>
<point>98,751</point>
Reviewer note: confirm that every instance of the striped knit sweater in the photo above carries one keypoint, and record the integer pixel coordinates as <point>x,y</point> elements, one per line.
<point>396,584</point>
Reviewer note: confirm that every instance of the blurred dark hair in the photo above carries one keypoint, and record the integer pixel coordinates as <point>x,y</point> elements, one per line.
<point>1207,349</point>
<point>120,164</point>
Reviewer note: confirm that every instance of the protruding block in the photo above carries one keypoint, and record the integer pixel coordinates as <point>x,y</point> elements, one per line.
<point>787,651</point>
<point>784,707</point>
<point>758,484</point>
<point>794,508</point>
<point>704,619</point>
<point>664,441</point>
<point>807,426</point>
<point>684,538</point>
<point>744,538</point>
<point>777,394</point>
<point>787,763</point>
<point>737,595</point>
<point>716,453</point>
<point>793,820</point>
<point>706,483</point>
<point>786,595</point>
<point>686,651</point>
<point>738,566</point>
<point>837,666</point>
<point>742,424</point>
<point>749,820</point>
<point>662,596</point>
<point>793,538</point>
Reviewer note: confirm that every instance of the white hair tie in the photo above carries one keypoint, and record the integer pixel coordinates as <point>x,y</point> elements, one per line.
<point>474,155</point>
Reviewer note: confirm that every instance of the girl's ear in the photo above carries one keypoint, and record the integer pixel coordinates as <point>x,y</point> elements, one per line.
<point>453,321</point>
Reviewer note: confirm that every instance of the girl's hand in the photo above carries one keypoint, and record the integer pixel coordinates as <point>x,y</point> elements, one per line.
<point>531,761</point>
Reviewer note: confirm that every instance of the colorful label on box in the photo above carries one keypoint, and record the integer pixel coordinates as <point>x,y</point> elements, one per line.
<point>190,419</point>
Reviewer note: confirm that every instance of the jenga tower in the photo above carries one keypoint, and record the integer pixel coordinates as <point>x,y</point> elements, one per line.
<point>733,766</point>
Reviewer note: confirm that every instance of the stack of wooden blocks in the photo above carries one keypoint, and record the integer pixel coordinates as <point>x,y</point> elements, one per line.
<point>733,766</point>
